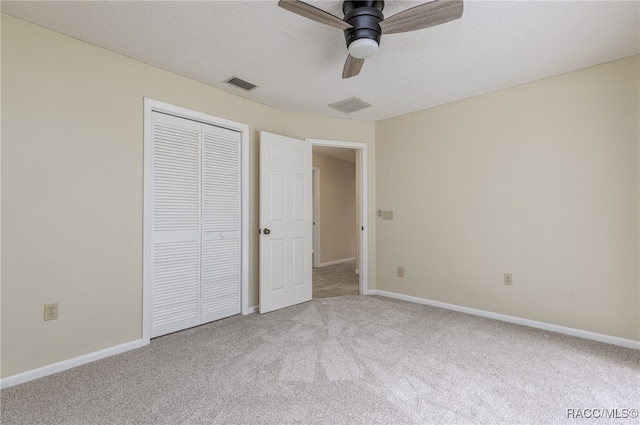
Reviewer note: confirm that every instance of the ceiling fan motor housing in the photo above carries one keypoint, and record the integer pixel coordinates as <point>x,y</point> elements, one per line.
<point>364,17</point>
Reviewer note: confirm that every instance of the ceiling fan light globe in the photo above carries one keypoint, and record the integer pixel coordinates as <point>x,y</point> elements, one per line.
<point>363,48</point>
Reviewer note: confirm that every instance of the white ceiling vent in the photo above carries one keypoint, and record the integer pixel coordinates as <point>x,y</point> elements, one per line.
<point>350,105</point>
<point>244,85</point>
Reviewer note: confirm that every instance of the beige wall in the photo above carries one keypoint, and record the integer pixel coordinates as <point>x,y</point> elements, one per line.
<point>337,208</point>
<point>539,180</point>
<point>72,188</point>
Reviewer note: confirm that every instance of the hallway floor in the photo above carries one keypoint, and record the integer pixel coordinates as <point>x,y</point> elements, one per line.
<point>335,281</point>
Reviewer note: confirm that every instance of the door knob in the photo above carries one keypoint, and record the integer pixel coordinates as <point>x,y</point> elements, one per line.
<point>267,231</point>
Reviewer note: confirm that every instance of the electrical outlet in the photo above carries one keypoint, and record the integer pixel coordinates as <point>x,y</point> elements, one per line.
<point>50,311</point>
<point>508,279</point>
<point>400,271</point>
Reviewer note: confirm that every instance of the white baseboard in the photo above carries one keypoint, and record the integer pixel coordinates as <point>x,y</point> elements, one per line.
<point>68,364</point>
<point>336,262</point>
<point>629,343</point>
<point>253,309</point>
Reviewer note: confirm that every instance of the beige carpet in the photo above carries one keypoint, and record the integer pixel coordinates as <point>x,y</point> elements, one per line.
<point>347,360</point>
<point>335,281</point>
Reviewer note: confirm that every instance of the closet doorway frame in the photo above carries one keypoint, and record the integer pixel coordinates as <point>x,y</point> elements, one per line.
<point>151,106</point>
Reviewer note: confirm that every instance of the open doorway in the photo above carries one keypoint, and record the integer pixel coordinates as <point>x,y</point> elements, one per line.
<point>338,230</point>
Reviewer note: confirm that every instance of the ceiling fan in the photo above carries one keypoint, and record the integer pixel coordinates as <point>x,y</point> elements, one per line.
<point>364,24</point>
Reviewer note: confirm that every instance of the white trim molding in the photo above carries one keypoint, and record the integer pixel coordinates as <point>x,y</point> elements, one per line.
<point>150,106</point>
<point>336,262</point>
<point>608,339</point>
<point>70,363</point>
<point>316,216</point>
<point>362,149</point>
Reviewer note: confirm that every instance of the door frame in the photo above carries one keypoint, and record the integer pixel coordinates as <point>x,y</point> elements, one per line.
<point>150,106</point>
<point>361,150</point>
<point>315,172</point>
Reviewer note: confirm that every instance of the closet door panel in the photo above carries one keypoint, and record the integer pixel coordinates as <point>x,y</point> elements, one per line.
<point>221,179</point>
<point>220,279</point>
<point>221,212</point>
<point>176,286</point>
<point>176,224</point>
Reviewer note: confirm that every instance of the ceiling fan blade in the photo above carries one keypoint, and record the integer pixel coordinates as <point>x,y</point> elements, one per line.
<point>352,67</point>
<point>424,16</point>
<point>313,13</point>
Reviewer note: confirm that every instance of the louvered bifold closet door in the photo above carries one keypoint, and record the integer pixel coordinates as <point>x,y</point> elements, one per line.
<point>221,268</point>
<point>175,219</point>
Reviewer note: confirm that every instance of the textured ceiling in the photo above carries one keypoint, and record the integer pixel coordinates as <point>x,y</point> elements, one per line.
<point>297,63</point>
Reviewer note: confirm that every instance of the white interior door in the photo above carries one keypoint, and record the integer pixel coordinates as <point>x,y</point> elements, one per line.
<point>285,221</point>
<point>176,224</point>
<point>221,268</point>
<point>196,221</point>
